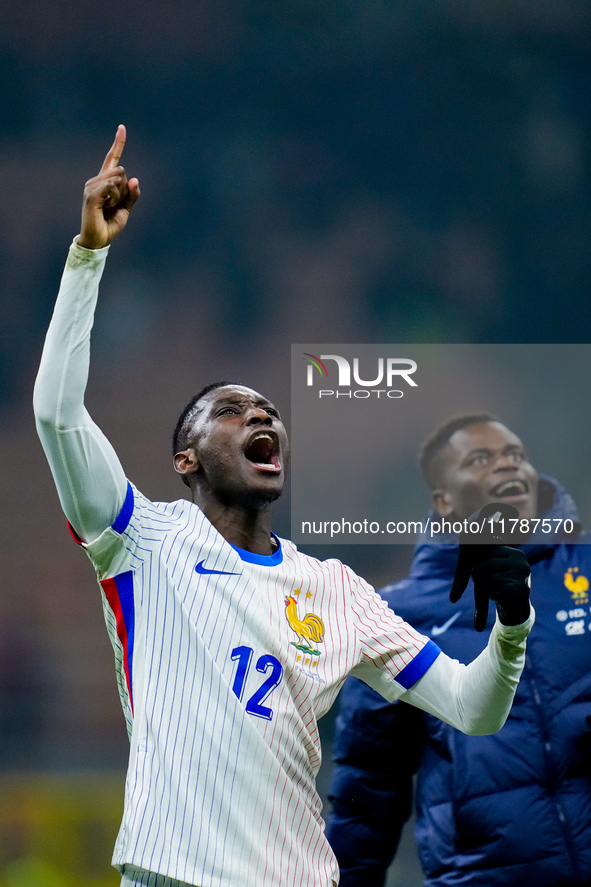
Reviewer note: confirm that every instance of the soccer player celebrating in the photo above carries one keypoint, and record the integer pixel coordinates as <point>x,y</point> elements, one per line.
<point>229,643</point>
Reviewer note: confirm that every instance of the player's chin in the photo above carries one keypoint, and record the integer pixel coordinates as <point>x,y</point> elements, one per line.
<point>264,491</point>
<point>269,492</point>
<point>268,497</point>
<point>250,488</point>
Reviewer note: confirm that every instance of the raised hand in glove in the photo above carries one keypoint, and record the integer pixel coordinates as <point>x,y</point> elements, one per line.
<point>501,573</point>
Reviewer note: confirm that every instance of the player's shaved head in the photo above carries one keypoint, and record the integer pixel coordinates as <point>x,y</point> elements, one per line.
<point>472,460</point>
<point>230,444</point>
<point>435,444</point>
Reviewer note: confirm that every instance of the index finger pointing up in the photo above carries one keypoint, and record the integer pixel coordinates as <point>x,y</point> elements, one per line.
<point>112,158</point>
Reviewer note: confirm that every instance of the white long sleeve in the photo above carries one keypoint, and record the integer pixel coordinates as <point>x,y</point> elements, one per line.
<point>475,698</point>
<point>88,475</point>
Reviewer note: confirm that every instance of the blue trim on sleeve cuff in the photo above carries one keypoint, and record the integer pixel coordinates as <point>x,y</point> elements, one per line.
<point>415,669</point>
<point>122,520</point>
<point>266,560</point>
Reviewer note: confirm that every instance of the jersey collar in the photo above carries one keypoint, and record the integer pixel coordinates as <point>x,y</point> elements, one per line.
<point>265,560</point>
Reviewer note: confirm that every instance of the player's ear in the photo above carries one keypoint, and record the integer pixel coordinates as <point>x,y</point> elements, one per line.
<point>442,501</point>
<point>186,462</point>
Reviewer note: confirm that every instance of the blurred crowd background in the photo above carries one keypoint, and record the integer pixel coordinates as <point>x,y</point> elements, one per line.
<point>313,171</point>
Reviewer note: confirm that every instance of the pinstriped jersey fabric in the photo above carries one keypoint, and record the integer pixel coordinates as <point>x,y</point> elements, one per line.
<point>225,660</point>
<point>138,878</point>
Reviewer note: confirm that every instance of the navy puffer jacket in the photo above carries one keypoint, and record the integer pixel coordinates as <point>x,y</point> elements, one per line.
<point>509,809</point>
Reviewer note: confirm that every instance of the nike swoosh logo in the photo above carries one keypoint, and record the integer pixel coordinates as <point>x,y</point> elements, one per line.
<point>205,572</point>
<point>439,629</point>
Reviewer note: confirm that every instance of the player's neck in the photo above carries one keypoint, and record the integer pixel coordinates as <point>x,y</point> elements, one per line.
<point>246,528</point>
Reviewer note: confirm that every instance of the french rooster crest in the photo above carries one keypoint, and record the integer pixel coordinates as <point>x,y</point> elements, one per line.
<point>309,630</point>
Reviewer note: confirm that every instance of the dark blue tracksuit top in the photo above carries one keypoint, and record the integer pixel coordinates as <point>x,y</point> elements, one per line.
<point>509,809</point>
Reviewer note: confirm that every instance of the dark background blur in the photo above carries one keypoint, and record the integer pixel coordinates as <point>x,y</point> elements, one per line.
<point>321,171</point>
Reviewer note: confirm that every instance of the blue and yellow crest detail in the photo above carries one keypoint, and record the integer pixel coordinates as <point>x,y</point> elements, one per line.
<point>309,629</point>
<point>578,585</point>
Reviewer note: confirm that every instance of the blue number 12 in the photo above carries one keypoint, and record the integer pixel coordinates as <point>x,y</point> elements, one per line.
<point>264,664</point>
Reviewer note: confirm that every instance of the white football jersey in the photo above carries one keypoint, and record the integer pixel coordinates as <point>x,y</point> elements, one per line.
<point>225,661</point>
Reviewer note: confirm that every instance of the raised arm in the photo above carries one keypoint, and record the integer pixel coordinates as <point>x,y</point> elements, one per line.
<point>475,698</point>
<point>90,480</point>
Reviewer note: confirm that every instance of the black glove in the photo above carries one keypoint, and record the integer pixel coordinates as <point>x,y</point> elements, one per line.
<point>501,573</point>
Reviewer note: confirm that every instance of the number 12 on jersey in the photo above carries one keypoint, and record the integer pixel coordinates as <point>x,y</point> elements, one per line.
<point>264,664</point>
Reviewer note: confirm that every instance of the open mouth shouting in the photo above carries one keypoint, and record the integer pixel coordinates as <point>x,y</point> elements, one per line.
<point>510,491</point>
<point>262,450</point>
